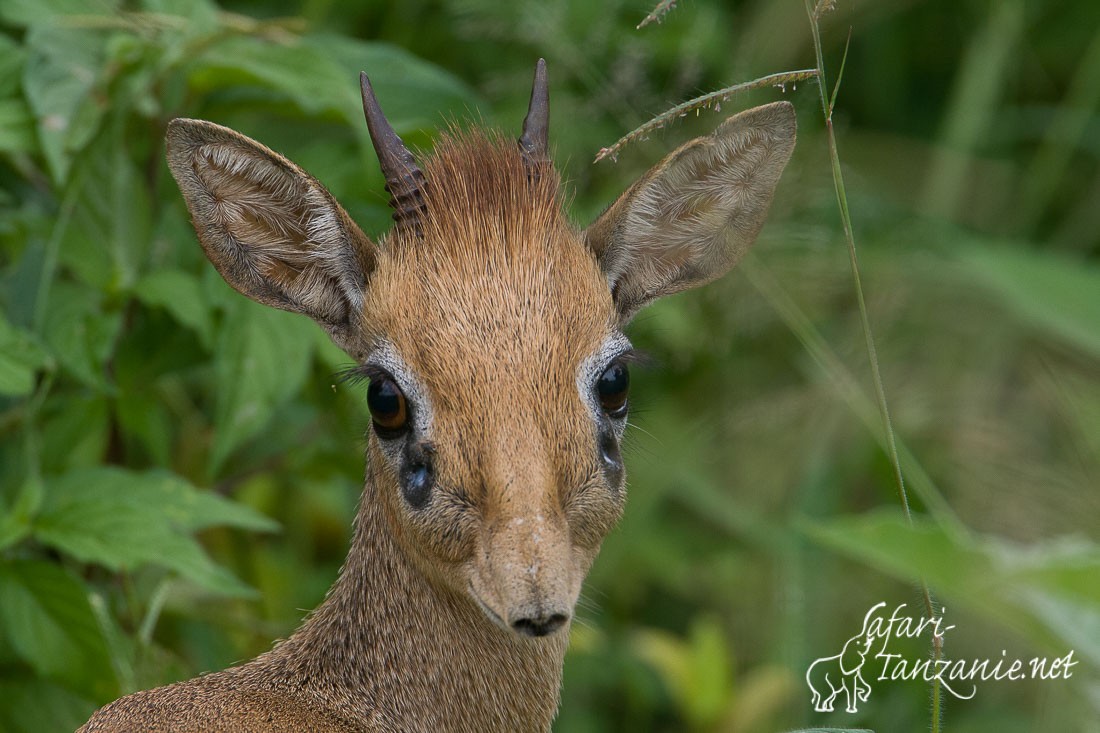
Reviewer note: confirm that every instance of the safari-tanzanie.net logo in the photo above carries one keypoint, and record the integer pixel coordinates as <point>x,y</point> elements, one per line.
<point>843,680</point>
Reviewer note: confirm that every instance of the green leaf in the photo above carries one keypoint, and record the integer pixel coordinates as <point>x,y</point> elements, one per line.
<point>12,57</point>
<point>15,521</point>
<point>416,94</point>
<point>711,684</point>
<point>46,616</point>
<point>200,13</point>
<point>20,358</point>
<point>1078,624</point>
<point>263,358</point>
<point>1068,568</point>
<point>298,72</point>
<point>62,69</point>
<point>668,656</point>
<point>143,415</point>
<point>319,74</point>
<point>175,501</point>
<point>32,12</point>
<point>884,540</point>
<point>80,332</point>
<point>697,671</point>
<point>103,241</point>
<point>16,127</point>
<point>180,294</point>
<point>17,134</point>
<point>1055,293</point>
<point>35,705</point>
<point>75,432</point>
<point>1031,588</point>
<point>124,520</point>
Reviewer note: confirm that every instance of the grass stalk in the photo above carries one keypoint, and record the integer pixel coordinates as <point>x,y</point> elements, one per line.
<point>864,406</point>
<point>657,14</point>
<point>827,105</point>
<point>1062,140</point>
<point>984,71</point>
<point>707,101</point>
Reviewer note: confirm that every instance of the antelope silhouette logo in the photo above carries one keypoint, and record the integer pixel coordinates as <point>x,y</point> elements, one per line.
<point>828,677</point>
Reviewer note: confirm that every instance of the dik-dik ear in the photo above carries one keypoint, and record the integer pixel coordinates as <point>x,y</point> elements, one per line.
<point>693,216</point>
<point>272,231</point>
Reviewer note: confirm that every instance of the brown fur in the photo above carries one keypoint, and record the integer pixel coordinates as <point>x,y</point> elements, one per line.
<point>495,307</point>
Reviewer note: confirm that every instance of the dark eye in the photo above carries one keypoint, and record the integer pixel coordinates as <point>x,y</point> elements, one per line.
<point>388,408</point>
<point>612,387</point>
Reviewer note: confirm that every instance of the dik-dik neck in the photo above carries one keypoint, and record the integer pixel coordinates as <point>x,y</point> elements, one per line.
<point>392,646</point>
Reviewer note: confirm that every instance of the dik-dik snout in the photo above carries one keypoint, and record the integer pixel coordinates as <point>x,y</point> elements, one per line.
<point>526,578</point>
<point>503,478</point>
<point>549,501</point>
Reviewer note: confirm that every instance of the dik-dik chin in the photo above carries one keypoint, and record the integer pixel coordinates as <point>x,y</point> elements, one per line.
<point>491,331</point>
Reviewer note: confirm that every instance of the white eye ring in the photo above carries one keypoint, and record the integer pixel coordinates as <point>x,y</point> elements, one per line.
<point>592,369</point>
<point>385,359</point>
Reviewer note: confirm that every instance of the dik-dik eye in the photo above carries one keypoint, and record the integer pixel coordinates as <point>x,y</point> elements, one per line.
<point>388,408</point>
<point>612,388</point>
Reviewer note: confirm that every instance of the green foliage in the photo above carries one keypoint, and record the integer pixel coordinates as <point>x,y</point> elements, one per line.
<point>47,617</point>
<point>119,352</point>
<point>124,521</point>
<point>156,427</point>
<point>264,357</point>
<point>20,358</point>
<point>1058,294</point>
<point>1032,588</point>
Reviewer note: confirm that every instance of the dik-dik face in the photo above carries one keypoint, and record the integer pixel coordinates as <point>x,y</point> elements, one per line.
<point>490,330</point>
<point>499,387</point>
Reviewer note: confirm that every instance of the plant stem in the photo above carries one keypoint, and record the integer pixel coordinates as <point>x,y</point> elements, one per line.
<point>657,13</point>
<point>872,354</point>
<point>712,99</point>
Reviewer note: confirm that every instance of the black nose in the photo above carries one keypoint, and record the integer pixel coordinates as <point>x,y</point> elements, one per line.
<point>540,625</point>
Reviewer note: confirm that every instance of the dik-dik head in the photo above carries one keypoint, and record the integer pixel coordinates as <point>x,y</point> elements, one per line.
<point>490,328</point>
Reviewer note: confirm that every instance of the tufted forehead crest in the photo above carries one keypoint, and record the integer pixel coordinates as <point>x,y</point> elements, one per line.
<point>481,201</point>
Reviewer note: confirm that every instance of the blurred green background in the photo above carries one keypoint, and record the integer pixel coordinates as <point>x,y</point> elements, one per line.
<point>179,467</point>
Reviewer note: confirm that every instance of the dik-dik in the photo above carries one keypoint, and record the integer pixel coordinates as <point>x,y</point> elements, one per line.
<point>492,333</point>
